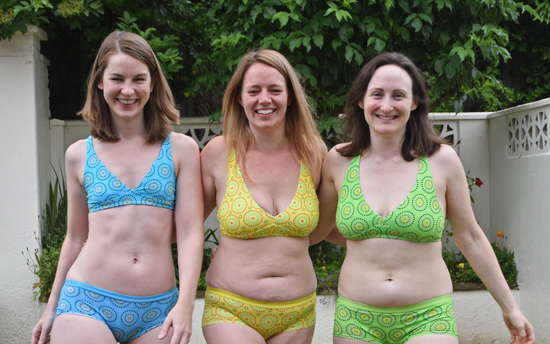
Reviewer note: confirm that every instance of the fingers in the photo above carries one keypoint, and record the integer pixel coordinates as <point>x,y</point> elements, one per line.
<point>40,336</point>
<point>180,337</point>
<point>165,329</point>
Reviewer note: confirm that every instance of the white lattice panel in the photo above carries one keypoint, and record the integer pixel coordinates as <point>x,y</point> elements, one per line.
<point>527,134</point>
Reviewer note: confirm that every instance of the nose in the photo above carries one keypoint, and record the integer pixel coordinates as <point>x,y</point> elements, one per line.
<point>265,97</point>
<point>386,104</point>
<point>127,88</point>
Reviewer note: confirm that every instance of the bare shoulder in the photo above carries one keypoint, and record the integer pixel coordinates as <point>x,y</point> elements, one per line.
<point>335,157</point>
<point>445,161</point>
<point>215,149</point>
<point>76,152</point>
<point>183,142</point>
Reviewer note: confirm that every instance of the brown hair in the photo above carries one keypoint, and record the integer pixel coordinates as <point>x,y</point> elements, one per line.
<point>420,137</point>
<point>159,111</point>
<point>300,127</point>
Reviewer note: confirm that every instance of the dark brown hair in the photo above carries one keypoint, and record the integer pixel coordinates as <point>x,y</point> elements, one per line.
<point>159,111</point>
<point>420,137</point>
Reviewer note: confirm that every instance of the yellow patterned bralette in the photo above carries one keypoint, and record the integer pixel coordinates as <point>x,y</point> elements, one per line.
<point>242,218</point>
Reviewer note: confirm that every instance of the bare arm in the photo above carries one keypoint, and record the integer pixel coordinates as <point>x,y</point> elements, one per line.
<point>328,202</point>
<point>77,233</point>
<point>476,248</point>
<point>213,166</point>
<point>190,235</point>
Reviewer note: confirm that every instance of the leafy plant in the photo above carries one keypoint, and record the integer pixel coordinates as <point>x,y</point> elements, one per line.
<point>327,261</point>
<point>53,231</point>
<point>461,270</point>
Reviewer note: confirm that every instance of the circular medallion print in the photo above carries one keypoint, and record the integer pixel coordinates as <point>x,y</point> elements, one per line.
<point>129,318</point>
<point>268,321</point>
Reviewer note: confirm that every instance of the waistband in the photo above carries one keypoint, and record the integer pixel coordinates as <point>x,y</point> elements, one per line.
<point>417,306</point>
<point>263,304</point>
<point>118,296</point>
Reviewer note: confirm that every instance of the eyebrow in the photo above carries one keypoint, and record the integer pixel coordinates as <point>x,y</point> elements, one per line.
<point>117,74</point>
<point>270,85</point>
<point>382,89</point>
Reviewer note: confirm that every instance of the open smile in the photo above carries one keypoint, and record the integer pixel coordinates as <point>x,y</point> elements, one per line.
<point>265,112</point>
<point>386,118</point>
<point>127,101</point>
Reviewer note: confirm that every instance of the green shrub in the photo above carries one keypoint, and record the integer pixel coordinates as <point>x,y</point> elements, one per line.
<point>461,270</point>
<point>53,231</point>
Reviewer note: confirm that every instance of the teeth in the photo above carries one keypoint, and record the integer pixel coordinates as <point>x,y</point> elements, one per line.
<point>127,101</point>
<point>265,112</point>
<point>387,118</point>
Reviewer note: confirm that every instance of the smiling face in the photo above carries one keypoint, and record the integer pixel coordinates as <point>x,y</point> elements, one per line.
<point>126,85</point>
<point>264,97</point>
<point>388,101</point>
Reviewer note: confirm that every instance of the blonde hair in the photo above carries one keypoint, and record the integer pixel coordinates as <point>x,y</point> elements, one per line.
<point>159,111</point>
<point>300,127</point>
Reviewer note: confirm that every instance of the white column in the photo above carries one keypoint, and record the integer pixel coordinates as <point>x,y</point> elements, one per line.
<point>25,174</point>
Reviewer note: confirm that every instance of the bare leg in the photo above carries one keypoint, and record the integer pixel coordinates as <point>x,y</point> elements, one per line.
<point>303,336</point>
<point>434,339</point>
<point>71,328</point>
<point>231,334</point>
<point>152,337</point>
<point>341,340</point>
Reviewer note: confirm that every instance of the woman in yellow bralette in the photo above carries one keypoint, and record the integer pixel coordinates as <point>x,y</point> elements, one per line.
<point>262,175</point>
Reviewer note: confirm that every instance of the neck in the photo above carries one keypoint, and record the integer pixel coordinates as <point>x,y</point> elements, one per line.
<point>130,130</point>
<point>269,140</point>
<point>385,147</point>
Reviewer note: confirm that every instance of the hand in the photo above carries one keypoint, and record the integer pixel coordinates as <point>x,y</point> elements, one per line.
<point>521,330</point>
<point>214,250</point>
<point>181,325</point>
<point>41,332</point>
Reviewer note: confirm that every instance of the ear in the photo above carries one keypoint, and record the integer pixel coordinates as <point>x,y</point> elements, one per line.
<point>240,99</point>
<point>361,104</point>
<point>414,104</point>
<point>153,82</point>
<point>289,100</point>
<point>100,84</point>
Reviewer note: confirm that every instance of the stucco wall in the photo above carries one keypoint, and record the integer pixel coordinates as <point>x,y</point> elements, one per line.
<point>520,204</point>
<point>24,134</point>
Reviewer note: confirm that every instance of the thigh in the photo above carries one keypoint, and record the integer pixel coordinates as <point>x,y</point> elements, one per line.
<point>341,340</point>
<point>229,333</point>
<point>152,337</point>
<point>433,339</point>
<point>301,336</point>
<point>70,328</point>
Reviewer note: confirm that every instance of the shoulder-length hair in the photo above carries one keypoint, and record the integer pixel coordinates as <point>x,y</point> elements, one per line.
<point>300,127</point>
<point>159,111</point>
<point>420,137</point>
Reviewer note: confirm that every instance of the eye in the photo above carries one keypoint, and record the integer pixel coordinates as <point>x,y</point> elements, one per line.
<point>399,95</point>
<point>252,92</point>
<point>377,95</point>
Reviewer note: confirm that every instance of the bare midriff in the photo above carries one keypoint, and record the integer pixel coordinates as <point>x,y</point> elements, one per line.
<point>384,272</point>
<point>272,269</point>
<point>128,251</point>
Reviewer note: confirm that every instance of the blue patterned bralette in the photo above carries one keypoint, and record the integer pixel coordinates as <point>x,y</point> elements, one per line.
<point>104,190</point>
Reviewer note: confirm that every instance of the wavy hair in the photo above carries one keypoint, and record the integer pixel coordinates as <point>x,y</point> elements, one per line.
<point>159,111</point>
<point>300,127</point>
<point>420,137</point>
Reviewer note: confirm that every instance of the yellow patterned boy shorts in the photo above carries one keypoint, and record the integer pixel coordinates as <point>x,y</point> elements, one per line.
<point>268,318</point>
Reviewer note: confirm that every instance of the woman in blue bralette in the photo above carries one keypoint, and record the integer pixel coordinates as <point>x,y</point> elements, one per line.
<point>390,190</point>
<point>129,185</point>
